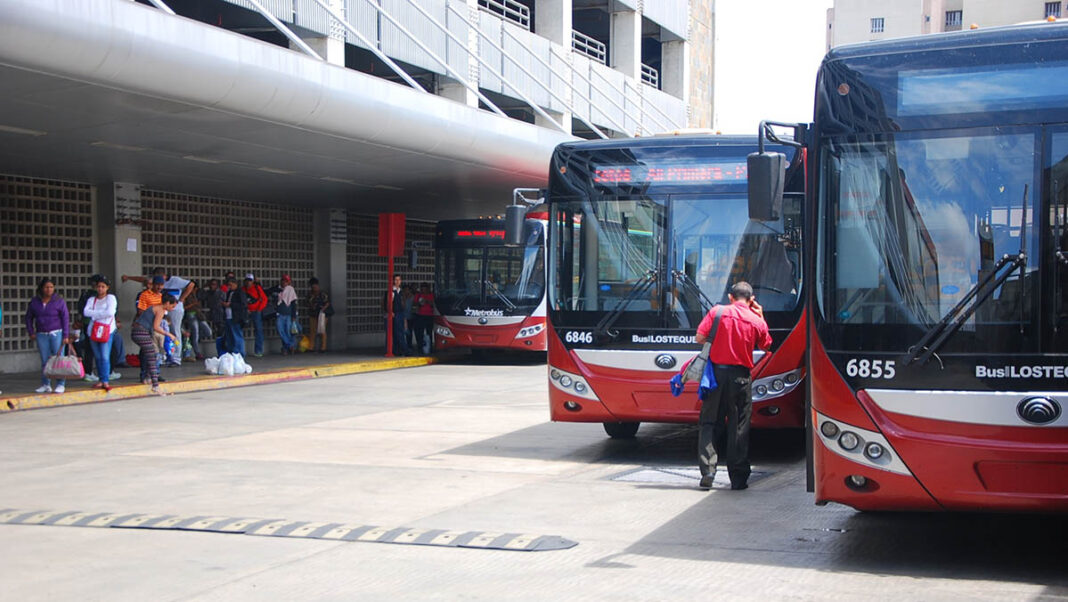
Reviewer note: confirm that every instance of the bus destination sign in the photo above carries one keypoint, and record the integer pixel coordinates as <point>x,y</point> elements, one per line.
<point>689,173</point>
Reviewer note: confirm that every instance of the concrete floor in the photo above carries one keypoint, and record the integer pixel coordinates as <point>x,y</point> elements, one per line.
<point>465,447</point>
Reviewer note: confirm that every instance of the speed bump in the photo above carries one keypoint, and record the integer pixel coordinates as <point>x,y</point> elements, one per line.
<point>485,540</point>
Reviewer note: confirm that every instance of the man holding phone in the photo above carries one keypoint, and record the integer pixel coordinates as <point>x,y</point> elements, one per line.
<point>726,410</point>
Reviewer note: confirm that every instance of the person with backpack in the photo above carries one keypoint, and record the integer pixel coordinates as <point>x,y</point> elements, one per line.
<point>257,301</point>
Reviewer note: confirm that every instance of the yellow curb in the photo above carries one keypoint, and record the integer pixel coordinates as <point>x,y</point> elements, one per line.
<point>208,383</point>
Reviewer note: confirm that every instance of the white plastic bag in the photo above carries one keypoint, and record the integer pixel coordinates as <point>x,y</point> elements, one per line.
<point>212,365</point>
<point>240,367</point>
<point>226,365</point>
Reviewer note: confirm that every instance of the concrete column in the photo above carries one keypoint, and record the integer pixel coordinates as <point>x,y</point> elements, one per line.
<point>563,119</point>
<point>552,20</point>
<point>331,47</point>
<point>625,44</point>
<point>330,233</point>
<point>449,87</point>
<point>674,68</point>
<point>118,232</point>
<point>454,90</point>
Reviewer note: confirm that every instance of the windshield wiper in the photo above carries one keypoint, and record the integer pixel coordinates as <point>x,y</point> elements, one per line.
<point>976,296</point>
<point>610,318</point>
<point>706,302</point>
<point>497,292</point>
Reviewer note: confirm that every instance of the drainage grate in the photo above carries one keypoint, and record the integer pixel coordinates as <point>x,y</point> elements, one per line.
<point>517,542</point>
<point>679,476</point>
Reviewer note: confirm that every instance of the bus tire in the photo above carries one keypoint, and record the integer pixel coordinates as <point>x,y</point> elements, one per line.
<point>621,430</point>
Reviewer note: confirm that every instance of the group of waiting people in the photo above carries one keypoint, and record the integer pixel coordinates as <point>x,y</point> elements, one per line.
<point>169,309</point>
<point>413,317</point>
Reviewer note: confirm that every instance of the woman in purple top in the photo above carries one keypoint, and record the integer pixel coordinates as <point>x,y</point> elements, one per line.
<point>47,321</point>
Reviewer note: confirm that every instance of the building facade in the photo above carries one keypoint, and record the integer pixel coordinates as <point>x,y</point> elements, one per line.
<point>852,21</point>
<point>581,68</point>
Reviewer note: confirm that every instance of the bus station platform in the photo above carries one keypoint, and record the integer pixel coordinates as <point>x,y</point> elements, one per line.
<point>17,390</point>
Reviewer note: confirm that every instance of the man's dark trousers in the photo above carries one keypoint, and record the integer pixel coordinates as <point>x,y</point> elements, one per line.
<point>724,434</point>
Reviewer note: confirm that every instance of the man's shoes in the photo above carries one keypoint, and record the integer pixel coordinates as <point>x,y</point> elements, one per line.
<point>43,389</point>
<point>114,376</point>
<point>706,482</point>
<point>91,378</point>
<point>739,486</point>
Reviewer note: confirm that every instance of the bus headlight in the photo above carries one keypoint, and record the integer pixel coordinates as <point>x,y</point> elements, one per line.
<point>443,331</point>
<point>571,384</point>
<point>829,429</point>
<point>874,451</point>
<point>776,385</point>
<point>849,440</point>
<point>530,331</point>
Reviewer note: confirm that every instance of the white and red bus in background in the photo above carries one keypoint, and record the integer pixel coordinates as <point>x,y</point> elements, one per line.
<point>938,295</point>
<point>644,234</point>
<point>489,295</point>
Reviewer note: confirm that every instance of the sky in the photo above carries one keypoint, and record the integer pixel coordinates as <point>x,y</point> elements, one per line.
<point>767,55</point>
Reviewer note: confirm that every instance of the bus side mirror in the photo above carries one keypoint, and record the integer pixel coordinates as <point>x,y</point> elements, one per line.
<point>514,219</point>
<point>767,175</point>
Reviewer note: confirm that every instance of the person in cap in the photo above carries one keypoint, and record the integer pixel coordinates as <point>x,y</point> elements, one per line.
<point>257,300</point>
<point>180,289</point>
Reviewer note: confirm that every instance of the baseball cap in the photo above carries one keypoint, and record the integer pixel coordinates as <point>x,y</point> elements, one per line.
<point>286,278</point>
<point>249,277</point>
<point>158,280</point>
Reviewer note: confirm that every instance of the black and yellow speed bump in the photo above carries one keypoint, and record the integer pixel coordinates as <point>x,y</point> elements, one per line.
<point>518,542</point>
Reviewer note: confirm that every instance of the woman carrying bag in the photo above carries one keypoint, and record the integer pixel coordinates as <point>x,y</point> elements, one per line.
<point>48,321</point>
<point>143,327</point>
<point>101,311</point>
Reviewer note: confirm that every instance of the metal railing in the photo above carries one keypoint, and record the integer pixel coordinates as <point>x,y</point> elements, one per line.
<point>514,12</point>
<point>650,76</point>
<point>508,9</point>
<point>584,44</point>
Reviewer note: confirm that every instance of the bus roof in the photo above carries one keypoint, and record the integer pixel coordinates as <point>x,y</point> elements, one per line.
<point>990,36</point>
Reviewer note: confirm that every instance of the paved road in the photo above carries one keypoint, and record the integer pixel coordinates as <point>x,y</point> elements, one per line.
<point>461,448</point>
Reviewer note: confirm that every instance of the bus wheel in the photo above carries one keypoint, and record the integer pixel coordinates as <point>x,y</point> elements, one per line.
<point>621,430</point>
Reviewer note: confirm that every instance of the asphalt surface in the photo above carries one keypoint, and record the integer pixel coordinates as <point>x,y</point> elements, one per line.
<point>461,448</point>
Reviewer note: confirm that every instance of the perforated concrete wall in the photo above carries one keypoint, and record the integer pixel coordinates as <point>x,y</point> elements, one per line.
<point>46,230</point>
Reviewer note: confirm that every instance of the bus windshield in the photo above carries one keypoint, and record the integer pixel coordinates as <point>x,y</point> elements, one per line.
<point>917,221</point>
<point>650,258</point>
<point>507,280</point>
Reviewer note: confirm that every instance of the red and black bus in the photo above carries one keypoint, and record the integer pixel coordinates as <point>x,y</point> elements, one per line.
<point>644,236</point>
<point>938,281</point>
<point>488,294</point>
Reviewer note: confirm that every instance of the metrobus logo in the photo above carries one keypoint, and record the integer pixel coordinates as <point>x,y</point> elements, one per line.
<point>484,313</point>
<point>1021,372</point>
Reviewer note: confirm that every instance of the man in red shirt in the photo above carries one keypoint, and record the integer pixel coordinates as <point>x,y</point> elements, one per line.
<point>725,411</point>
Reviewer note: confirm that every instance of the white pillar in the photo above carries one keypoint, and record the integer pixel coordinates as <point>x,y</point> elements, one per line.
<point>331,47</point>
<point>552,20</point>
<point>118,231</point>
<point>625,44</point>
